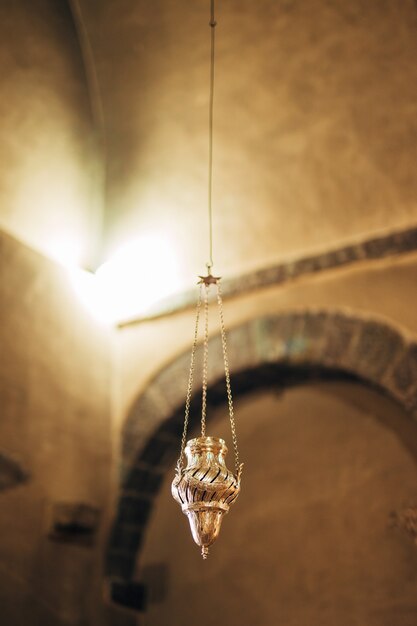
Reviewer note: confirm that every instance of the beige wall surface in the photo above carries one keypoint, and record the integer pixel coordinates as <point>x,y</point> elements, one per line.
<point>49,166</point>
<point>310,540</point>
<point>315,145</point>
<point>315,124</point>
<point>55,422</point>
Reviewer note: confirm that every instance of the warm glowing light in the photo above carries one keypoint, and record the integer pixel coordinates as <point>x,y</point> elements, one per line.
<point>139,274</point>
<point>88,290</point>
<point>65,250</point>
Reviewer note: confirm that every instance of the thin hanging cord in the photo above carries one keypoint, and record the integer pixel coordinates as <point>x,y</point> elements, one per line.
<point>213,25</point>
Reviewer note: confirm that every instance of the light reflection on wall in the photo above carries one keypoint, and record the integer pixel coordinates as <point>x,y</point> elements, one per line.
<point>140,273</point>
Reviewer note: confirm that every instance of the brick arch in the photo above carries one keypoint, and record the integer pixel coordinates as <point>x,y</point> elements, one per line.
<point>281,350</point>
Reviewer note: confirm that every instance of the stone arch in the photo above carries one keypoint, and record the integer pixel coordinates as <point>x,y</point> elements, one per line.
<point>285,348</point>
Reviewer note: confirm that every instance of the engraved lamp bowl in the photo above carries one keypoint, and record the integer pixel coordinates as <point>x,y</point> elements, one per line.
<point>205,489</point>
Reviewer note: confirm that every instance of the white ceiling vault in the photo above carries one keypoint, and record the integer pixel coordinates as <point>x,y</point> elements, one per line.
<point>315,127</point>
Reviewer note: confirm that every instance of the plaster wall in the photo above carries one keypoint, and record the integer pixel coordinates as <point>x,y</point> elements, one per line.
<point>50,168</point>
<point>55,427</point>
<point>315,124</point>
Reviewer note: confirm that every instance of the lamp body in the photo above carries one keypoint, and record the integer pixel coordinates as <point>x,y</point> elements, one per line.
<point>205,489</point>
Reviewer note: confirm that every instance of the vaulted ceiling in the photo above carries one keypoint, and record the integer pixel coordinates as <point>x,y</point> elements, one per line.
<point>104,125</point>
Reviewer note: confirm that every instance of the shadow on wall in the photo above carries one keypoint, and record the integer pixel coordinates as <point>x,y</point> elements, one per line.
<point>12,473</point>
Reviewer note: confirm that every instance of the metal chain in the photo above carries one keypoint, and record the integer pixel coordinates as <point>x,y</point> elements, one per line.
<point>205,362</point>
<point>227,375</point>
<point>190,383</point>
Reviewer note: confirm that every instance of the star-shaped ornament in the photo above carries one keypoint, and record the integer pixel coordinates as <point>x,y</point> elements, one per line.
<point>209,279</point>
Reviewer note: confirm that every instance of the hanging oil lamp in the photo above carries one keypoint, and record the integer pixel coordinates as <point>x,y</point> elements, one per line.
<point>204,487</point>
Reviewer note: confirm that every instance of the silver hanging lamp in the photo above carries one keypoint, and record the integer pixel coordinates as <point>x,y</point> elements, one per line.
<point>204,487</point>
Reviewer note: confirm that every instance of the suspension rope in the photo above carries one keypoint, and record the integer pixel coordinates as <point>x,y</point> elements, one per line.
<point>212,25</point>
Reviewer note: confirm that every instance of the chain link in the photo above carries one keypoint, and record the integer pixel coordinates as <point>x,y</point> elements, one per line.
<point>205,362</point>
<point>190,384</point>
<point>227,375</point>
